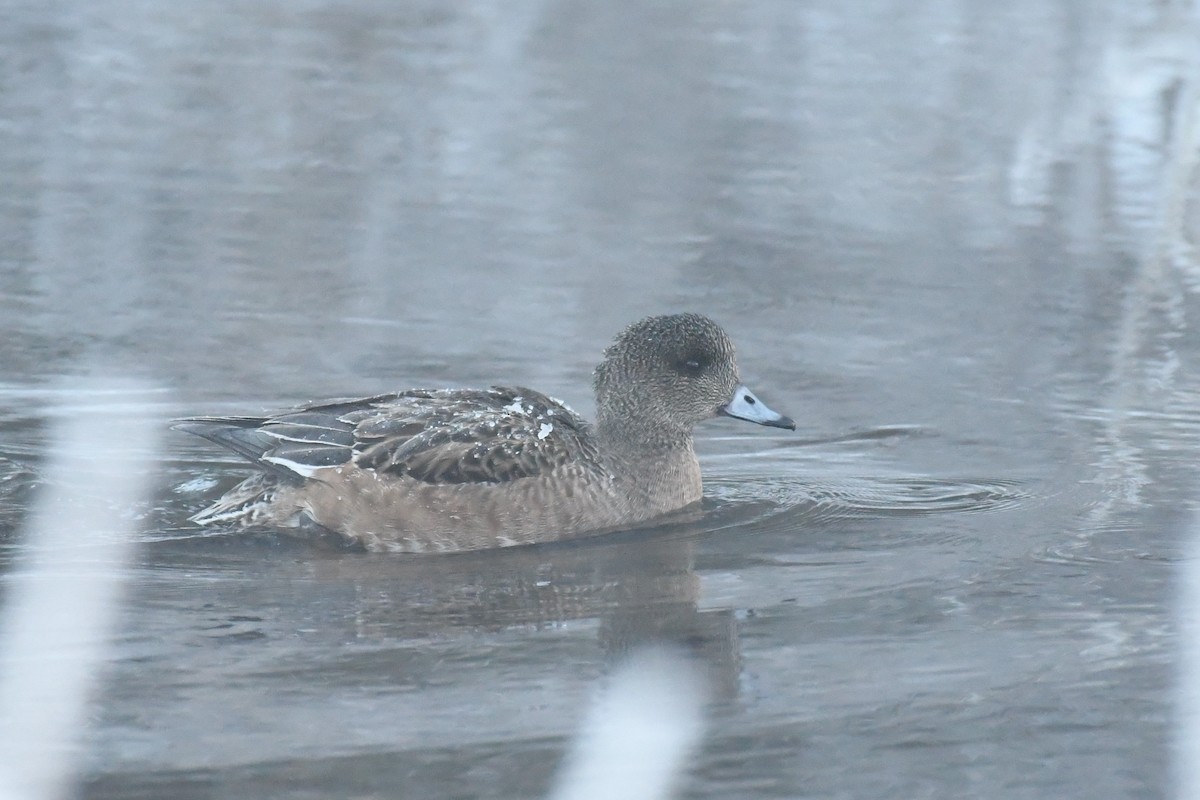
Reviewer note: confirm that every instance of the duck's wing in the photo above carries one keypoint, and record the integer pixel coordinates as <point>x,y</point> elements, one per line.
<point>493,436</point>
<point>440,436</point>
<point>291,445</point>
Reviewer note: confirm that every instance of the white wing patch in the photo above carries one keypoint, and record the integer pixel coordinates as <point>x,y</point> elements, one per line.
<point>303,470</point>
<point>545,430</point>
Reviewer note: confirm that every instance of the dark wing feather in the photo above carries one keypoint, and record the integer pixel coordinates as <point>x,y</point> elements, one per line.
<point>289,445</point>
<point>435,436</point>
<point>242,435</point>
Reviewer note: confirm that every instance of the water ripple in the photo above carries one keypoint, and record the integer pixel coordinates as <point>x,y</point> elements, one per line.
<point>790,504</point>
<point>868,497</point>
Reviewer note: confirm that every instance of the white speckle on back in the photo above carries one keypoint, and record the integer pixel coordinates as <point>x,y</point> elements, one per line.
<point>515,406</point>
<point>558,402</point>
<point>545,430</point>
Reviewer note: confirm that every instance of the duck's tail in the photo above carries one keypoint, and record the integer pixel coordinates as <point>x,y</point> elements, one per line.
<point>247,505</point>
<point>242,435</point>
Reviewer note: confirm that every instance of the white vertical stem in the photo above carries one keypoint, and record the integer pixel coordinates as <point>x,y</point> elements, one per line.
<point>62,597</point>
<point>635,742</point>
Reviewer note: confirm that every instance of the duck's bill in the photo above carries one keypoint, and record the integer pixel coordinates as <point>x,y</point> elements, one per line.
<point>745,405</point>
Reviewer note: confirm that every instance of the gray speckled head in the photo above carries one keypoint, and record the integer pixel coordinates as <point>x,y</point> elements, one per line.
<point>669,372</point>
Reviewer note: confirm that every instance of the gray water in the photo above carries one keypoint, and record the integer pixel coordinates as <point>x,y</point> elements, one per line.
<point>954,240</point>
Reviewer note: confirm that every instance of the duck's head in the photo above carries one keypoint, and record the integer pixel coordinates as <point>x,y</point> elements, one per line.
<point>670,372</point>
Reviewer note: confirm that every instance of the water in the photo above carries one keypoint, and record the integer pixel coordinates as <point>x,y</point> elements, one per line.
<point>953,241</point>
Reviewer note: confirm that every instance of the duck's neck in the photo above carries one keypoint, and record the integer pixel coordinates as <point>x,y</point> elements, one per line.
<point>658,467</point>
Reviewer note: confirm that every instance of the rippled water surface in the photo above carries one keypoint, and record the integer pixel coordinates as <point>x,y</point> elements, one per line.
<point>954,240</point>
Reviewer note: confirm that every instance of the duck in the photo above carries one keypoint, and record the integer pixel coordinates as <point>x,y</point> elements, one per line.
<point>448,470</point>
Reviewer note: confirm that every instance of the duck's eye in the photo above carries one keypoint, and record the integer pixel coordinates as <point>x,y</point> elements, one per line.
<point>692,365</point>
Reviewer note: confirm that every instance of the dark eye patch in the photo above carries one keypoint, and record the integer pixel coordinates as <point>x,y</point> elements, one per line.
<point>693,364</point>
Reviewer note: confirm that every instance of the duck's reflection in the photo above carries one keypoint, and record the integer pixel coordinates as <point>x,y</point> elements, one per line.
<point>639,588</point>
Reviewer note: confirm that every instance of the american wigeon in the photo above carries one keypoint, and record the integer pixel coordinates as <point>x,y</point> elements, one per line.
<point>439,470</point>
